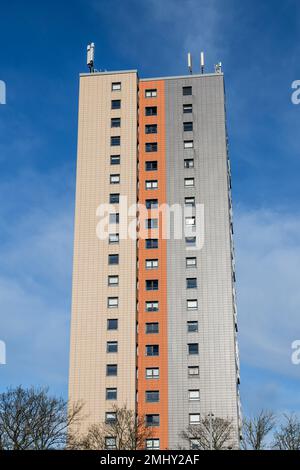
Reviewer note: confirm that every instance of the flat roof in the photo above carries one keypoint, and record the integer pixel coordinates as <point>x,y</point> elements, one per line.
<point>175,77</point>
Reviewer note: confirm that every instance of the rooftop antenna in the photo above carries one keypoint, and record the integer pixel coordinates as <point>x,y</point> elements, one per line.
<point>218,68</point>
<point>90,57</point>
<point>202,63</point>
<point>190,67</point>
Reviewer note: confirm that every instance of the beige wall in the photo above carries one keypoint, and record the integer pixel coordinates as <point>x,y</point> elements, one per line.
<point>89,333</point>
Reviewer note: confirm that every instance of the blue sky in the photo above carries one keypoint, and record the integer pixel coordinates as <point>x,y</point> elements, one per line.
<point>42,46</point>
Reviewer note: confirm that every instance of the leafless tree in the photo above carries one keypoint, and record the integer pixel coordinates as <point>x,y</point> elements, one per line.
<point>288,435</point>
<point>257,429</point>
<point>31,419</point>
<point>126,430</point>
<point>211,433</point>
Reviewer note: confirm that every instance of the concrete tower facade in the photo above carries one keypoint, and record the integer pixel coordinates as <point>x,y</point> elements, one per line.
<point>154,315</point>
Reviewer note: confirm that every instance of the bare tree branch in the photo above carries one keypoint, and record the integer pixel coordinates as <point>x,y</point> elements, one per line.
<point>288,435</point>
<point>212,432</point>
<point>127,430</point>
<point>256,430</point>
<point>31,419</point>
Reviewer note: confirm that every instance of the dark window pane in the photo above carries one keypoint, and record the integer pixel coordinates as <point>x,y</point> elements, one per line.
<point>151,147</point>
<point>151,243</point>
<point>151,203</point>
<point>187,126</point>
<point>115,104</point>
<point>151,111</point>
<point>115,140</point>
<point>186,90</point>
<point>151,129</point>
<point>115,122</point>
<point>152,328</point>
<point>112,324</point>
<point>113,259</point>
<point>152,396</point>
<point>151,165</point>
<point>111,369</point>
<point>114,198</point>
<point>115,159</point>
<point>191,283</point>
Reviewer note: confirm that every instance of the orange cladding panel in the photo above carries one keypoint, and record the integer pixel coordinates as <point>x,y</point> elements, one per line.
<point>161,338</point>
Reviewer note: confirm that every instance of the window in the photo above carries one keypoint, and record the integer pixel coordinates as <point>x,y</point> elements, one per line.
<point>151,243</point>
<point>193,348</point>
<point>152,396</point>
<point>152,420</point>
<point>113,280</point>
<point>187,126</point>
<point>194,418</point>
<point>112,346</point>
<point>114,218</point>
<point>186,90</point>
<point>151,129</point>
<point>191,283</point>
<point>152,284</point>
<point>194,444</point>
<point>192,326</point>
<point>151,263</point>
<point>152,328</point>
<point>111,370</point>
<point>152,444</point>
<point>113,238</point>
<point>151,165</point>
<point>152,306</point>
<point>189,202</point>
<point>116,86</point>
<point>188,163</point>
<point>152,373</point>
<point>114,198</point>
<point>115,104</point>
<point>111,394</point>
<point>112,302</point>
<point>191,262</point>
<point>151,93</point>
<point>151,111</point>
<point>110,443</point>
<point>192,304</point>
<point>151,184</point>
<point>151,147</point>
<point>152,350</point>
<point>188,144</point>
<point>115,159</point>
<point>194,395</point>
<point>151,203</point>
<point>115,122</point>
<point>110,417</point>
<point>112,324</point>
<point>189,181</point>
<point>114,179</point>
<point>115,140</point>
<point>190,241</point>
<point>187,108</point>
<point>191,221</point>
<point>151,223</point>
<point>193,371</point>
<point>113,259</point>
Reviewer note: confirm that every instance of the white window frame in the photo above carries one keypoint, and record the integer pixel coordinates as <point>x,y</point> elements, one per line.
<point>194,395</point>
<point>188,144</point>
<point>152,302</point>
<point>188,262</point>
<point>110,278</point>
<point>112,302</point>
<point>154,376</point>
<point>192,304</point>
<point>151,264</point>
<point>116,86</point>
<point>151,93</point>
<point>190,221</point>
<point>151,184</point>
<point>194,418</point>
<point>189,182</point>
<point>114,179</point>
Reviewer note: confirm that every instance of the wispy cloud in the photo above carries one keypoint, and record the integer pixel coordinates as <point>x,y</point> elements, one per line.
<point>35,282</point>
<point>268,259</point>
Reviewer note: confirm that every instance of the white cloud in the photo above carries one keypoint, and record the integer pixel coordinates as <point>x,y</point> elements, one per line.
<point>268,260</point>
<point>35,280</point>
